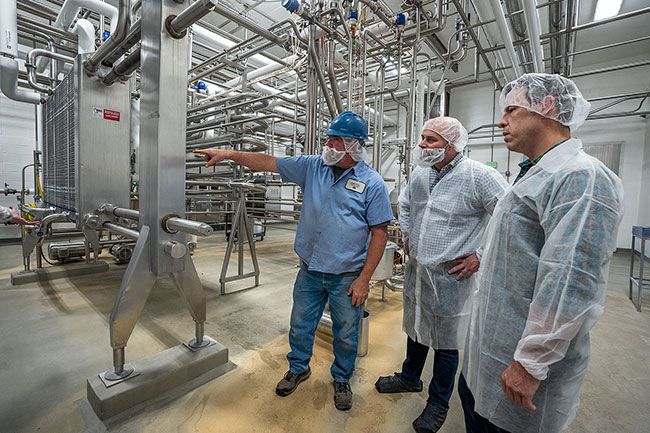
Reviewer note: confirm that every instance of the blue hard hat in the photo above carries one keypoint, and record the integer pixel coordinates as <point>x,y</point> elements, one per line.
<point>348,124</point>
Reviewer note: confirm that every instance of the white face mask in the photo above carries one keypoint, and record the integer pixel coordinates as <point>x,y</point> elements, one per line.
<point>427,157</point>
<point>332,156</point>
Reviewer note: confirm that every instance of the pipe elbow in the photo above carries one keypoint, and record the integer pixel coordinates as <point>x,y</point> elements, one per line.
<point>9,83</point>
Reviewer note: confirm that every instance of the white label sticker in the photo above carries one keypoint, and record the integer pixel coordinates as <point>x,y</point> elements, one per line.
<point>98,113</point>
<point>356,186</point>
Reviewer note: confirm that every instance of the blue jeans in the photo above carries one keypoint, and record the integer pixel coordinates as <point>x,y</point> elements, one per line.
<point>445,364</point>
<point>474,423</point>
<point>310,293</point>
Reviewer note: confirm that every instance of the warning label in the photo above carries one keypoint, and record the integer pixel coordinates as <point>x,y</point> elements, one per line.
<point>111,115</point>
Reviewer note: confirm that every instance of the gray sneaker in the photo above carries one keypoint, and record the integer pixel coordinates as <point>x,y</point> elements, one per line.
<point>342,395</point>
<point>290,382</point>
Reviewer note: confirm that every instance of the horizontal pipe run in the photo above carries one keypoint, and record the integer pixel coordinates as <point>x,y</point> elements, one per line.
<point>47,29</point>
<point>192,14</point>
<point>129,233</point>
<point>131,214</point>
<point>188,226</point>
<point>247,24</point>
<point>124,68</point>
<point>611,69</point>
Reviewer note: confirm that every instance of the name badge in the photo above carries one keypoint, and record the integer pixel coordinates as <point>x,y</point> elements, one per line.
<point>355,185</point>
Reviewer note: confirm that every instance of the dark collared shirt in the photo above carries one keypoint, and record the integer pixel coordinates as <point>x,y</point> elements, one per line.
<point>528,164</point>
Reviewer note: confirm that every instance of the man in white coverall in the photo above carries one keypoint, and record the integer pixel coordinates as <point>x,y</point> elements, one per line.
<point>443,212</point>
<point>544,270</point>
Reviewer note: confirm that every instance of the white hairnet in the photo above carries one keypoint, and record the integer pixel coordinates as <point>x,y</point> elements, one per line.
<point>450,129</point>
<point>567,107</point>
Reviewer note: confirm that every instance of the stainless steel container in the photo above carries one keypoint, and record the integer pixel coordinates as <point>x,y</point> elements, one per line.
<point>384,269</point>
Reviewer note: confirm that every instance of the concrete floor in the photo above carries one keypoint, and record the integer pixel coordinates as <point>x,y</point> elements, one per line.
<point>54,335</point>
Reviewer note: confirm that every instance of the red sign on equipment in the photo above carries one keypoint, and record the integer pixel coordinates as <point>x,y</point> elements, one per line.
<point>112,115</point>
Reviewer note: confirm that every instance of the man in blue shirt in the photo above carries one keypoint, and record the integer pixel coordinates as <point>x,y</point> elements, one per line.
<point>340,240</point>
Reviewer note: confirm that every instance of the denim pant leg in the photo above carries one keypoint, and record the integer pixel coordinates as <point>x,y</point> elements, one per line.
<point>474,423</point>
<point>416,357</point>
<point>309,299</point>
<point>445,364</point>
<point>346,319</point>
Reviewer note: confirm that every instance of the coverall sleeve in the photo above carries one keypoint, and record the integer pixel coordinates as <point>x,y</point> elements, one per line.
<point>404,206</point>
<point>580,221</point>
<point>491,188</point>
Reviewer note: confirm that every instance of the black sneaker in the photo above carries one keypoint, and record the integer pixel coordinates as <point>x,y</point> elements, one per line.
<point>430,420</point>
<point>290,382</point>
<point>342,395</point>
<point>395,383</point>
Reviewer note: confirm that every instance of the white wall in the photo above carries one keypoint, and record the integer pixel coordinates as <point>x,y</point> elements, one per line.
<point>17,142</point>
<point>472,105</point>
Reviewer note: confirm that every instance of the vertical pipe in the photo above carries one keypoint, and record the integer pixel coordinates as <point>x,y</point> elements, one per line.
<point>350,73</point>
<point>332,76</point>
<point>411,106</point>
<point>379,126</point>
<point>310,126</point>
<point>363,77</point>
<point>499,15</point>
<point>534,40</point>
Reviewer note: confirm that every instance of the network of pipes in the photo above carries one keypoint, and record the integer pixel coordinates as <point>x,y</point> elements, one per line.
<point>126,91</point>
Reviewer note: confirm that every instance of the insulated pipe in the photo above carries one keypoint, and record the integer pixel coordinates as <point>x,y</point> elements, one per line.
<point>70,9</point>
<point>9,82</point>
<point>8,53</point>
<point>8,29</point>
<point>85,31</point>
<point>532,22</point>
<point>499,15</point>
<point>116,38</point>
<point>69,12</point>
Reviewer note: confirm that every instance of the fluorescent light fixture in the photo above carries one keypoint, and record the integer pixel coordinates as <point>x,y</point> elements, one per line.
<point>607,9</point>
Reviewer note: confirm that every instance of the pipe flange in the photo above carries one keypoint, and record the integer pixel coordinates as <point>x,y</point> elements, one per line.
<point>163,223</point>
<point>173,33</point>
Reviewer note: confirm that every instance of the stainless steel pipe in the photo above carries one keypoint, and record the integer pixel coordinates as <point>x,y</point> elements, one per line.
<point>176,224</point>
<point>129,233</point>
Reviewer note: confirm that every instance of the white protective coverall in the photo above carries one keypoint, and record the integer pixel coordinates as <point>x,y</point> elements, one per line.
<point>542,287</point>
<point>441,225</point>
